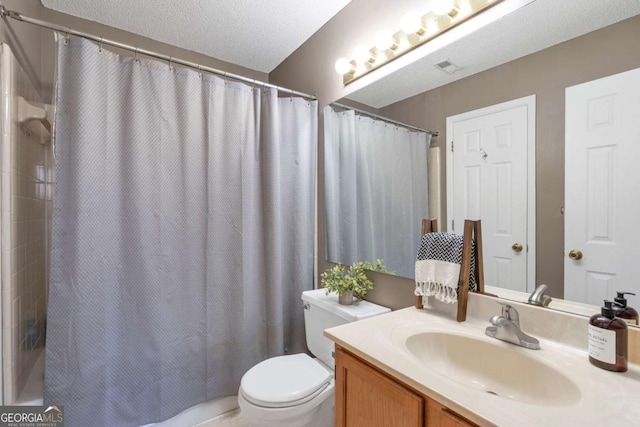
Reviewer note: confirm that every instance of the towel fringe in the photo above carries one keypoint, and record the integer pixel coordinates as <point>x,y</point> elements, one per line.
<point>441,292</point>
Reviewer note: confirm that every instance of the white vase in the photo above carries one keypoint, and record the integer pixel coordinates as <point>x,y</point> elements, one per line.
<point>346,298</point>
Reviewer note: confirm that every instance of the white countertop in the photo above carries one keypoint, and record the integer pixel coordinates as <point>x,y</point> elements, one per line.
<point>606,398</point>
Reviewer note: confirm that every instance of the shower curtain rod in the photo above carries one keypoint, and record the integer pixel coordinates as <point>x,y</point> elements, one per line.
<point>4,13</point>
<point>384,119</point>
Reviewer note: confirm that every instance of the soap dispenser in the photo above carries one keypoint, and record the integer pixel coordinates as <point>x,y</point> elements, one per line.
<point>608,340</point>
<point>623,311</point>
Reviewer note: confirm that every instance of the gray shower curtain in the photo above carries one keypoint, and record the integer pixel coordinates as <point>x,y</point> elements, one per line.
<point>182,235</point>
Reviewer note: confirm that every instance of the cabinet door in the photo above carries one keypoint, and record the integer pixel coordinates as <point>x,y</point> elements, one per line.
<point>366,397</point>
<point>441,416</point>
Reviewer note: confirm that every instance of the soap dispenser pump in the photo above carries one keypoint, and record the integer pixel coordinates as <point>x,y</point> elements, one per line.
<point>608,340</point>
<point>623,311</point>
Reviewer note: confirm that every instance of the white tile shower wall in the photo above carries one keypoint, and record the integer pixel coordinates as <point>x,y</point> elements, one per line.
<point>26,190</point>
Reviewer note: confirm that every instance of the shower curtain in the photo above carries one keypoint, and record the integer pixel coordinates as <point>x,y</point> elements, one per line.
<point>376,190</point>
<point>182,235</point>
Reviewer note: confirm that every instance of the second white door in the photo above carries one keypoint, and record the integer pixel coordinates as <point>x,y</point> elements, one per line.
<point>489,180</point>
<point>602,189</point>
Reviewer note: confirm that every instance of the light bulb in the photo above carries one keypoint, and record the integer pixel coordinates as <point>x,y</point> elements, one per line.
<point>411,23</point>
<point>442,7</point>
<point>362,54</point>
<point>432,28</point>
<point>465,9</point>
<point>384,41</point>
<point>343,66</point>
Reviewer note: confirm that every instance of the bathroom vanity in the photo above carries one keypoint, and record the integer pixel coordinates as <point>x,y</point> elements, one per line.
<point>368,396</point>
<point>415,367</point>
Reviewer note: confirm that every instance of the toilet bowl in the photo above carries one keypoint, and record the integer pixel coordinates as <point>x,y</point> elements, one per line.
<point>291,391</point>
<point>298,390</point>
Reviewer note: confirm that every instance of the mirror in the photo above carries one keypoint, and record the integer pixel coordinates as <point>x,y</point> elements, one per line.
<point>593,44</point>
<point>376,177</point>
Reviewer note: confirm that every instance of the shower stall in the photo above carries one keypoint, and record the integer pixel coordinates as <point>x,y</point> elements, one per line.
<point>27,180</point>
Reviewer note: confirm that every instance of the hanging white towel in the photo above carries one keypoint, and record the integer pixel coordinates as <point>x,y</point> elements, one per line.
<point>438,266</point>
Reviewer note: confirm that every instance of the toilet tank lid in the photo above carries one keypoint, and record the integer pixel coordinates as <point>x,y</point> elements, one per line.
<point>358,311</point>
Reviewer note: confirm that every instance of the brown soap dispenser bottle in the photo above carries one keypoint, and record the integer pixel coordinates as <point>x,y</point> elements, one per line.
<point>608,340</point>
<point>623,311</point>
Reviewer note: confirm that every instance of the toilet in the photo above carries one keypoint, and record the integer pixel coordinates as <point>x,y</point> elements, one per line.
<point>298,390</point>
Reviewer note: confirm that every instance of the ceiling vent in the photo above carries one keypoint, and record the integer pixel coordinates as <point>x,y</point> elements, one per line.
<point>447,66</point>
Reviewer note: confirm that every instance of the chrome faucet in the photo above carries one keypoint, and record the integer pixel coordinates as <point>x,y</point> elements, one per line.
<point>506,327</point>
<point>539,298</point>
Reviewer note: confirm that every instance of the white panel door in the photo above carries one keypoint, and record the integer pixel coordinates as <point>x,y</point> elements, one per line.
<point>602,188</point>
<point>490,183</point>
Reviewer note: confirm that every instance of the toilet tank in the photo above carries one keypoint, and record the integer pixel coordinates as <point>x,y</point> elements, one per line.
<point>322,311</point>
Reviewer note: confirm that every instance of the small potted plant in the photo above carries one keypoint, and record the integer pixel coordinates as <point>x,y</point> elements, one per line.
<point>351,281</point>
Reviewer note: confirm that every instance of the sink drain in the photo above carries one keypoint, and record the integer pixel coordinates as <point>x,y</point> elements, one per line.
<point>492,392</point>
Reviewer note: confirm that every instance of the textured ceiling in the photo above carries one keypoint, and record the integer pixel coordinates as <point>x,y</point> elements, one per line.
<point>256,34</point>
<point>536,26</point>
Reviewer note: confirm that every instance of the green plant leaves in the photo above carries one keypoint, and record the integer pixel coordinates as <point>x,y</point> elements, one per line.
<point>341,279</point>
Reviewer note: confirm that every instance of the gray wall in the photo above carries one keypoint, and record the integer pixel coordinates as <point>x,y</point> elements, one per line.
<point>546,74</point>
<point>25,40</point>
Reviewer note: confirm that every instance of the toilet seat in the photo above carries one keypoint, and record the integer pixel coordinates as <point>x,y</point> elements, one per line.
<point>319,409</point>
<point>285,381</point>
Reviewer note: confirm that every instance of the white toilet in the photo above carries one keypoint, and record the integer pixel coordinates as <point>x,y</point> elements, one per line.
<point>297,390</point>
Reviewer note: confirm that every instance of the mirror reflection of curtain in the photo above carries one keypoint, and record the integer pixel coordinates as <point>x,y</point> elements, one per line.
<point>376,190</point>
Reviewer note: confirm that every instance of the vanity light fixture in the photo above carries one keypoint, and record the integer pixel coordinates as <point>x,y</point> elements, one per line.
<point>412,23</point>
<point>385,41</point>
<point>343,66</point>
<point>416,30</point>
<point>362,55</point>
<point>432,28</point>
<point>443,7</point>
<point>465,8</point>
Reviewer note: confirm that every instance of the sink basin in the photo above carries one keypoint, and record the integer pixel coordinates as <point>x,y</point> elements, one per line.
<point>498,369</point>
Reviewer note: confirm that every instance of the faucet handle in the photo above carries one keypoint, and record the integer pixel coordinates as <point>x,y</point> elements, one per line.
<point>509,312</point>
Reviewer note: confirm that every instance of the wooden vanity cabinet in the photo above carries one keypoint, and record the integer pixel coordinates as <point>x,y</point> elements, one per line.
<point>439,415</point>
<point>368,397</point>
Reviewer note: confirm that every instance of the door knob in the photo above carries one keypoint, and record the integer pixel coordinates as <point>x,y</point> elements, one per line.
<point>575,255</point>
<point>517,247</point>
